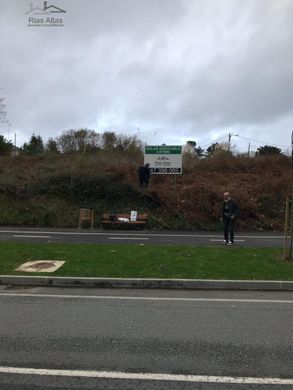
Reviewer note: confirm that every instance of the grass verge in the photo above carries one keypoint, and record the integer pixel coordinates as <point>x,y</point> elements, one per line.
<point>145,261</point>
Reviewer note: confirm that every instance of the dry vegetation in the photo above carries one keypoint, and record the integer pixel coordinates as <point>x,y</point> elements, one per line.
<point>48,190</point>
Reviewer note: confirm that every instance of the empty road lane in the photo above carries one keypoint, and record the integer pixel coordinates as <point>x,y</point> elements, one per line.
<point>88,339</point>
<point>250,239</point>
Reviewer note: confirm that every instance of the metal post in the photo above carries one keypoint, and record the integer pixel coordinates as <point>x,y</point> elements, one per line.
<point>291,227</point>
<point>291,208</point>
<point>286,229</point>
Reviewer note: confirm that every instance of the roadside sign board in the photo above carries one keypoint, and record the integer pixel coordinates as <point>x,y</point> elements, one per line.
<point>164,159</point>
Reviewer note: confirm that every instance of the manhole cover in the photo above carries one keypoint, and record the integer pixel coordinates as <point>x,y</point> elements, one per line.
<point>40,266</point>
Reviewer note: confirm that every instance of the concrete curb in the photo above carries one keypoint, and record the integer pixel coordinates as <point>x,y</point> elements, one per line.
<point>188,284</point>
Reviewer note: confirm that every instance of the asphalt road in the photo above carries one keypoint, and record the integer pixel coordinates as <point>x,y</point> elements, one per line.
<point>142,339</point>
<point>248,239</point>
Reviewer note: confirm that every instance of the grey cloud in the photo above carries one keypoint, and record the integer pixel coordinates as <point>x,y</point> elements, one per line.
<point>186,68</point>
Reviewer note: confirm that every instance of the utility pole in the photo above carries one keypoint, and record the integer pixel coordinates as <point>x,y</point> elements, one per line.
<point>229,140</point>
<point>248,153</point>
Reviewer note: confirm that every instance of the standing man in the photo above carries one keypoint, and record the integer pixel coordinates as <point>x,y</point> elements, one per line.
<point>229,213</point>
<point>144,174</point>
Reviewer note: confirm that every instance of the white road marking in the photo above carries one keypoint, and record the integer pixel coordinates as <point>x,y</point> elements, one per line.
<point>140,234</point>
<point>128,238</point>
<point>217,240</point>
<point>27,236</point>
<point>129,298</point>
<point>146,376</point>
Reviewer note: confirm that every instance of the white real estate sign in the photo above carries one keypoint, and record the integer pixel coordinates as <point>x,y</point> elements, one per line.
<point>164,159</point>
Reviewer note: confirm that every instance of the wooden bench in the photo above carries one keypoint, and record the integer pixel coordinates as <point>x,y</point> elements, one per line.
<point>112,220</point>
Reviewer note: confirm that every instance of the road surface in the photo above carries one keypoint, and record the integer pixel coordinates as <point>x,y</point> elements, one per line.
<point>147,237</point>
<point>142,339</point>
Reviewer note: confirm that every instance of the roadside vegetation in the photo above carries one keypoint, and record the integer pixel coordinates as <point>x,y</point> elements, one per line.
<point>46,184</point>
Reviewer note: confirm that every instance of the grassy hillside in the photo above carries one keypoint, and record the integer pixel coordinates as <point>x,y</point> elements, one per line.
<point>48,190</point>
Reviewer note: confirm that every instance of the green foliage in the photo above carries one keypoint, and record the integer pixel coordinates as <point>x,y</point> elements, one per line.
<point>84,141</point>
<point>109,141</point>
<point>268,151</point>
<point>34,147</point>
<point>130,145</point>
<point>51,146</point>
<point>102,192</point>
<point>221,150</point>
<point>199,152</point>
<point>5,146</point>
<point>37,211</point>
<point>211,149</point>
<point>78,141</point>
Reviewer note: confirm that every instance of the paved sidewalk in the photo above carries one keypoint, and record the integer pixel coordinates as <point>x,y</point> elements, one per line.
<point>192,284</point>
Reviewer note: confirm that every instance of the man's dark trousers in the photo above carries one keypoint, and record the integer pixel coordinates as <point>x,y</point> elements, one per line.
<point>229,225</point>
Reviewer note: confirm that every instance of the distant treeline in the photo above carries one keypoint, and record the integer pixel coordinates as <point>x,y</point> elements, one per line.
<point>84,141</point>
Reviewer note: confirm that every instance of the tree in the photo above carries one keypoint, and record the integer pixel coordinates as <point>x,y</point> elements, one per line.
<point>51,146</point>
<point>5,146</point>
<point>211,149</point>
<point>199,152</point>
<point>268,151</point>
<point>189,148</point>
<point>109,141</point>
<point>223,150</point>
<point>35,146</point>
<point>78,141</point>
<point>129,144</point>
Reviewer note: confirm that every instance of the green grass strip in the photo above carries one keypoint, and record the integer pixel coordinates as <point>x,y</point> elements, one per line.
<point>146,261</point>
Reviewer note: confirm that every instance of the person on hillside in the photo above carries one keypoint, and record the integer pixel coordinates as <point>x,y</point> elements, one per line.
<point>230,211</point>
<point>144,174</point>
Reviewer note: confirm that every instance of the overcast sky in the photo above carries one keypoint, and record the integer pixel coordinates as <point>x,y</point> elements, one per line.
<point>167,70</point>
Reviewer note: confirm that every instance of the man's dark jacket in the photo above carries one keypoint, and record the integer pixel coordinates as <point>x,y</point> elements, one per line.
<point>230,209</point>
<point>144,173</point>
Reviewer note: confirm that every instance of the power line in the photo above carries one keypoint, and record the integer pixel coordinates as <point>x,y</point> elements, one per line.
<point>262,142</point>
<point>247,139</point>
